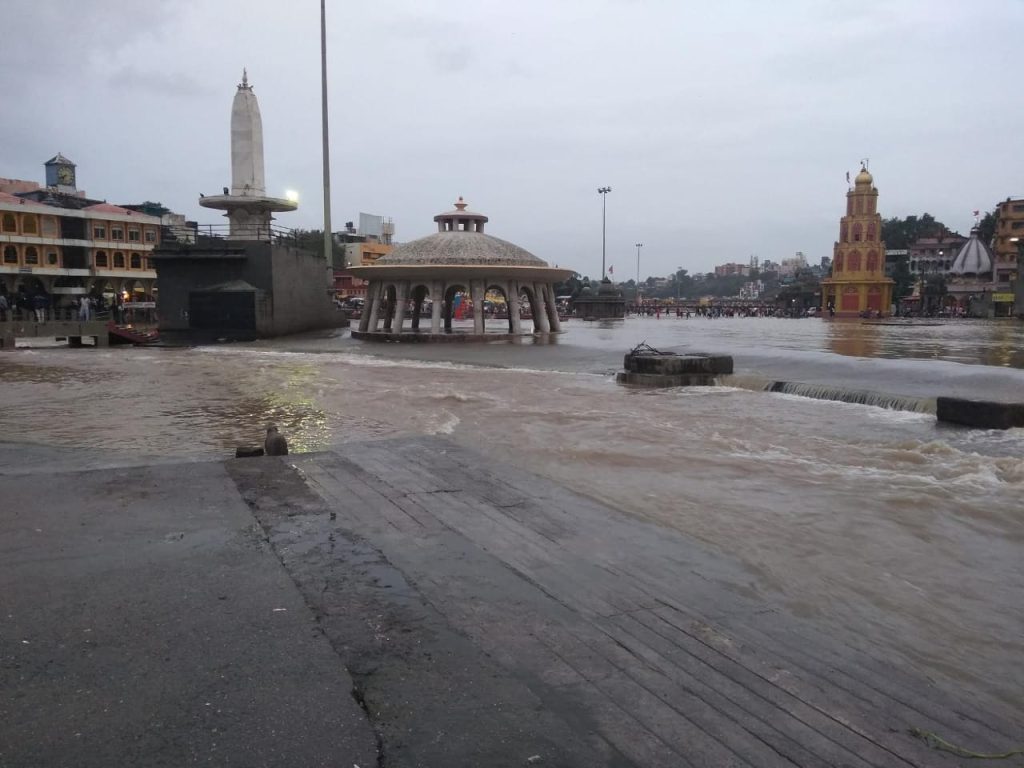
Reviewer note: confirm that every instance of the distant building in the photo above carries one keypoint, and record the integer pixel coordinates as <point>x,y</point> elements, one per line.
<point>732,268</point>
<point>858,283</point>
<point>892,257</point>
<point>57,240</point>
<point>934,255</point>
<point>362,247</point>
<point>790,266</point>
<point>1009,225</point>
<point>752,290</point>
<point>972,284</point>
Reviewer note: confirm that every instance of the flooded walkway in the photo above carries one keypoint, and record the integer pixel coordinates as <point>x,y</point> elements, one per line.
<point>469,598</point>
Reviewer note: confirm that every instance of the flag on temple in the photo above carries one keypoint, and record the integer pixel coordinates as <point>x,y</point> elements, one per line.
<point>847,177</point>
<point>976,213</point>
<point>611,269</point>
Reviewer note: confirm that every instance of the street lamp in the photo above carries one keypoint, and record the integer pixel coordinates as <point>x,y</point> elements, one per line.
<point>638,247</point>
<point>603,192</point>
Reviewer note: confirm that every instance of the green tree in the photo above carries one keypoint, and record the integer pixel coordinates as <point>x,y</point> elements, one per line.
<point>987,227</point>
<point>902,277</point>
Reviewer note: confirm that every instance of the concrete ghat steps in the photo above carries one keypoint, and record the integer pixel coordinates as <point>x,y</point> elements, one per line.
<point>488,615</point>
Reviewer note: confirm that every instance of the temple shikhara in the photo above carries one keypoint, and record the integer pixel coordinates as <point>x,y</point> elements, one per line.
<point>858,285</point>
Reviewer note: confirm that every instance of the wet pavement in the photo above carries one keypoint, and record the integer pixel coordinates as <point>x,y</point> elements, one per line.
<point>408,602</point>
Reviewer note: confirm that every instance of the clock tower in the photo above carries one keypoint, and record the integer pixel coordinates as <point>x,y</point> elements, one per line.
<point>60,173</point>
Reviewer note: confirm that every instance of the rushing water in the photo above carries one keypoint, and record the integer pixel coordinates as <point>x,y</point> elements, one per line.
<point>904,532</point>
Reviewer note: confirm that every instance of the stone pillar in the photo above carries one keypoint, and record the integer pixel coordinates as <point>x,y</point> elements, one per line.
<point>437,294</point>
<point>372,316</point>
<point>476,290</point>
<point>556,324</point>
<point>417,308</point>
<point>401,293</point>
<point>515,324</point>
<point>541,322</point>
<point>364,318</point>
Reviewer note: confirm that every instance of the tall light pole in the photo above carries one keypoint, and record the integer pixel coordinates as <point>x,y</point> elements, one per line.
<point>603,192</point>
<point>328,240</point>
<point>638,247</point>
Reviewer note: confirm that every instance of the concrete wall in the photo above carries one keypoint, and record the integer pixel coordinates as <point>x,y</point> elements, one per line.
<point>179,276</point>
<point>301,292</point>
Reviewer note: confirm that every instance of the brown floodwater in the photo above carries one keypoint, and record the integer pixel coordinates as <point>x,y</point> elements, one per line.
<point>880,522</point>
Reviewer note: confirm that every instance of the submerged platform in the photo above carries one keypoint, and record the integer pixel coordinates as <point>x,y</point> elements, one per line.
<point>405,603</point>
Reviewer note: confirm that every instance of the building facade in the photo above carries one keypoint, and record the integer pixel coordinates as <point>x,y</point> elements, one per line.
<point>858,285</point>
<point>929,256</point>
<point>57,241</point>
<point>1009,231</point>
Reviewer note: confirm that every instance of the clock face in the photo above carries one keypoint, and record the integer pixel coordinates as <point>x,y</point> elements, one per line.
<point>65,174</point>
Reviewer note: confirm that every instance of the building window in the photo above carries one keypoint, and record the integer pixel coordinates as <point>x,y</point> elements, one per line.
<point>838,266</point>
<point>1018,207</point>
<point>31,256</point>
<point>9,223</point>
<point>853,263</point>
<point>101,259</point>
<point>872,261</point>
<point>871,231</point>
<point>1017,225</point>
<point>49,226</point>
<point>150,236</point>
<point>118,260</point>
<point>10,255</point>
<point>117,233</point>
<point>857,231</point>
<point>52,258</point>
<point>29,224</point>
<point>134,235</point>
<point>99,233</point>
<point>149,264</point>
<point>135,261</point>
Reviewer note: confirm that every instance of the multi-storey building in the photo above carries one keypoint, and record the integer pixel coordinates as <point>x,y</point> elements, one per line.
<point>725,270</point>
<point>1009,232</point>
<point>57,241</point>
<point>362,248</point>
<point>934,255</point>
<point>858,284</point>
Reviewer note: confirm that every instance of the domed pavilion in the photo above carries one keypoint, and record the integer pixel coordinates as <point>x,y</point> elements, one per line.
<point>456,266</point>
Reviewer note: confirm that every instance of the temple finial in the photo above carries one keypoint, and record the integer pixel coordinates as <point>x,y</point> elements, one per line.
<point>244,85</point>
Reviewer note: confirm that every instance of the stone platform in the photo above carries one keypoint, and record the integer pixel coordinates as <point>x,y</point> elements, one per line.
<point>408,603</point>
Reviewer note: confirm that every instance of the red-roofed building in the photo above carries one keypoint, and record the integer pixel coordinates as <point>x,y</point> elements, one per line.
<point>56,240</point>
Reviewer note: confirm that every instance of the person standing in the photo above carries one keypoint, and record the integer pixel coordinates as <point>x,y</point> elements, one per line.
<point>83,309</point>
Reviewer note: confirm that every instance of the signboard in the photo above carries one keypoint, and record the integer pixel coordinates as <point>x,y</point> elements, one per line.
<point>139,305</point>
<point>1002,297</point>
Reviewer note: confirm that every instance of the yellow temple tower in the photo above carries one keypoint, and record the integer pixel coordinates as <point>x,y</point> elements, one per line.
<point>858,284</point>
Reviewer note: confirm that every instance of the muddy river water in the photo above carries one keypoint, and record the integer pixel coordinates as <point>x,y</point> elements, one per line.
<point>903,532</point>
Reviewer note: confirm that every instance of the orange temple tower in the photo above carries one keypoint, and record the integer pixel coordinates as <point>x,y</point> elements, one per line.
<point>858,285</point>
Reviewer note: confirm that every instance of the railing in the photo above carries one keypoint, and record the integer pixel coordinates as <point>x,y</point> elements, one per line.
<point>210,234</point>
<point>63,314</point>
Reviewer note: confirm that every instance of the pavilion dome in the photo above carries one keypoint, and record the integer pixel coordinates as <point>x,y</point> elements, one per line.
<point>864,177</point>
<point>974,258</point>
<point>460,241</point>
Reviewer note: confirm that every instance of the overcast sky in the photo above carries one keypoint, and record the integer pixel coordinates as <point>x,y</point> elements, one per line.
<point>724,128</point>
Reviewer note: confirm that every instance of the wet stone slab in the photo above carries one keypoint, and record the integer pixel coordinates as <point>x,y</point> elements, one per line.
<point>488,615</point>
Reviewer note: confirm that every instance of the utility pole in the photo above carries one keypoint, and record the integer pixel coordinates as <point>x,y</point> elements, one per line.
<point>328,238</point>
<point>603,192</point>
<point>638,247</point>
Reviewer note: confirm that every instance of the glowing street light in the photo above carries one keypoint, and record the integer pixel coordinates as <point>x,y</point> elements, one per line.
<point>291,195</point>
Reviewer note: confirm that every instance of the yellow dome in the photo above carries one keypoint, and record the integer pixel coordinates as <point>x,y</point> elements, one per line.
<point>864,177</point>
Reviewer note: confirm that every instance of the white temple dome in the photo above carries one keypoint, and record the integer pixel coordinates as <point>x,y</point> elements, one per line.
<point>974,258</point>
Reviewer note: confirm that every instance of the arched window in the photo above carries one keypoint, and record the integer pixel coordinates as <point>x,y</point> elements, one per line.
<point>9,223</point>
<point>101,260</point>
<point>871,231</point>
<point>853,262</point>
<point>31,255</point>
<point>838,265</point>
<point>50,227</point>
<point>858,230</point>
<point>52,258</point>
<point>118,260</point>
<point>844,231</point>
<point>872,261</point>
<point>10,254</point>
<point>29,224</point>
<point>135,261</point>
